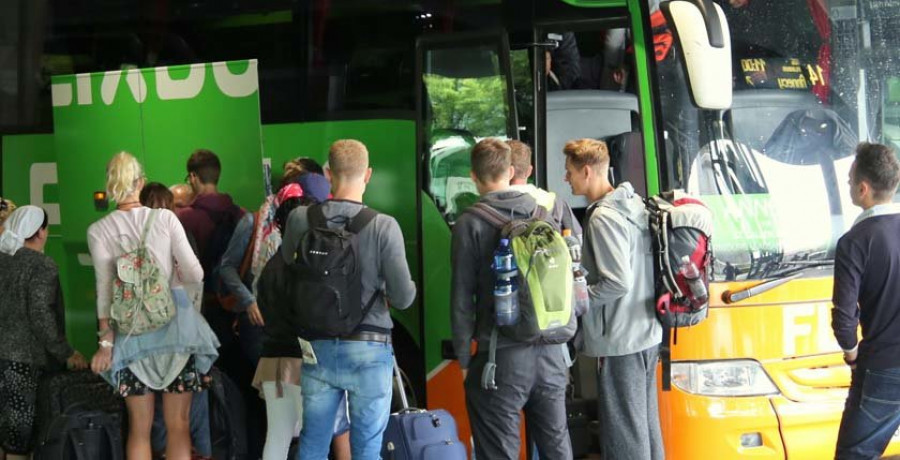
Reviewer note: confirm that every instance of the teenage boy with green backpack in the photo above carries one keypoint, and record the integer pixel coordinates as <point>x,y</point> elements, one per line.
<point>521,362</point>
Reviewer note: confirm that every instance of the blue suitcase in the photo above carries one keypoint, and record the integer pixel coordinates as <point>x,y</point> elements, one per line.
<point>416,434</point>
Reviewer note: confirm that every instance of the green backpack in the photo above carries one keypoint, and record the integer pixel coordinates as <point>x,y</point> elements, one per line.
<point>142,301</point>
<point>545,280</point>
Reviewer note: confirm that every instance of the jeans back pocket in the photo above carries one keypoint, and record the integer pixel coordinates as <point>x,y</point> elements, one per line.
<point>881,394</point>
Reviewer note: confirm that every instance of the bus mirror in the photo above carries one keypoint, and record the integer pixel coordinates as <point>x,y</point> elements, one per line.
<point>701,32</point>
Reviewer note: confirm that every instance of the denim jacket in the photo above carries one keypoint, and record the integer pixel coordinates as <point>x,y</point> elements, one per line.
<point>229,270</point>
<point>187,333</point>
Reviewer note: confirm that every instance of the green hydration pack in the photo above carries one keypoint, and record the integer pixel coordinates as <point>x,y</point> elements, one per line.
<point>545,293</point>
<point>545,281</point>
<point>141,301</point>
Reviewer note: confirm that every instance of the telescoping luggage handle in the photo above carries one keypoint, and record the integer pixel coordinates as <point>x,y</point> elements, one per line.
<point>405,402</point>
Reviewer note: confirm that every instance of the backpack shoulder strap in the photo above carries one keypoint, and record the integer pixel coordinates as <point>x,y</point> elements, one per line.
<point>248,253</point>
<point>150,219</point>
<point>541,213</point>
<point>489,214</point>
<point>361,219</point>
<point>315,216</point>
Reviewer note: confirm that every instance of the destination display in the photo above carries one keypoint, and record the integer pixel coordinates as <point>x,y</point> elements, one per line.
<point>781,73</point>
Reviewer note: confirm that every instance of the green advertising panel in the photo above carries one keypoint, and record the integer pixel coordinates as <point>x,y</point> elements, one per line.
<point>392,189</point>
<point>161,116</point>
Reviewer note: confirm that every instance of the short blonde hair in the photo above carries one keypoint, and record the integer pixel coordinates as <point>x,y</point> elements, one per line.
<point>123,174</point>
<point>587,152</point>
<point>491,158</point>
<point>521,158</point>
<point>348,159</point>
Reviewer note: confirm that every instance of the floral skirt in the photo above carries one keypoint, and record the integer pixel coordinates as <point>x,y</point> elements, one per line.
<point>18,393</point>
<point>189,380</point>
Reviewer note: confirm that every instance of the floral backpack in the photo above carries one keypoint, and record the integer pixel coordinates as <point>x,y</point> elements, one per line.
<point>142,301</point>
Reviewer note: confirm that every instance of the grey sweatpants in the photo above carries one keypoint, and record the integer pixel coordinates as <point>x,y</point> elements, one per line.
<point>629,410</point>
<point>532,378</point>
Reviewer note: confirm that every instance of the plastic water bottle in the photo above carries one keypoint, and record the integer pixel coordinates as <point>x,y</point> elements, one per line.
<point>506,302</point>
<point>579,278</point>
<point>692,275</point>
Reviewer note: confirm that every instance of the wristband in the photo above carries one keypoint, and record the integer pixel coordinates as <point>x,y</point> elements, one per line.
<point>105,344</point>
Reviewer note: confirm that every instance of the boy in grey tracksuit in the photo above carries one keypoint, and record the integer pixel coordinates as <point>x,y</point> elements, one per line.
<point>621,328</point>
<point>529,377</point>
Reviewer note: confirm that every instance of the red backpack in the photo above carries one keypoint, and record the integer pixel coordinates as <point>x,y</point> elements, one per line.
<point>681,229</point>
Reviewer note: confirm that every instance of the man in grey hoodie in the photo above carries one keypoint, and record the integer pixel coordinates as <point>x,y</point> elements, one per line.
<point>621,328</point>
<point>529,377</point>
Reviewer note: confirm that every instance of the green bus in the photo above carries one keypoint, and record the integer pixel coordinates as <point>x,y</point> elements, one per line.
<point>420,82</point>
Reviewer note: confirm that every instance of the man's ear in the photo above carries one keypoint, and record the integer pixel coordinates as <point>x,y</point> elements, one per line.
<point>530,171</point>
<point>368,175</point>
<point>473,176</point>
<point>511,172</point>
<point>865,190</point>
<point>328,174</point>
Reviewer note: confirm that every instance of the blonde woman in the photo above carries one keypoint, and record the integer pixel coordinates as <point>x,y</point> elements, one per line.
<point>172,360</point>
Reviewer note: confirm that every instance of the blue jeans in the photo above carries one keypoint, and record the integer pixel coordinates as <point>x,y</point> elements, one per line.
<point>871,414</point>
<point>200,437</point>
<point>363,370</point>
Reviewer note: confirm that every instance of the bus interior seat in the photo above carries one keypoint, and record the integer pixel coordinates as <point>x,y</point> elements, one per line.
<point>757,113</point>
<point>577,114</point>
<point>626,160</point>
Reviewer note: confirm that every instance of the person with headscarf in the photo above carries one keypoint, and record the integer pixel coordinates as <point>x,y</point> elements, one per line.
<point>32,329</point>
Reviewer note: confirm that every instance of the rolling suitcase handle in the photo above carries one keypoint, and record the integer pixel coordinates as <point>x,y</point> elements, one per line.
<point>399,380</point>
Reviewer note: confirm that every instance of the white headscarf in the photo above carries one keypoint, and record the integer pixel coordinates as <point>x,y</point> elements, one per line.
<point>23,223</point>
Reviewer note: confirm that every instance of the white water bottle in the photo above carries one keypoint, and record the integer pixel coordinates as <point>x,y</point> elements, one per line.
<point>579,285</point>
<point>692,275</point>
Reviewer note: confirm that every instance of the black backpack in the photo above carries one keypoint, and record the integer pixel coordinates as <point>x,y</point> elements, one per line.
<point>78,416</point>
<point>325,294</point>
<point>82,434</point>
<point>227,418</point>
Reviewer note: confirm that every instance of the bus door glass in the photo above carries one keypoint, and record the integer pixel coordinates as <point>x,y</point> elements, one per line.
<point>466,96</point>
<point>589,89</point>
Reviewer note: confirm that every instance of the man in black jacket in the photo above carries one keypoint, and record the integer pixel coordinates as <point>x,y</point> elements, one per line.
<point>866,292</point>
<point>530,377</point>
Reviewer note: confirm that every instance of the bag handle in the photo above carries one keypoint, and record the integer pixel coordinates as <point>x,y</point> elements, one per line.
<point>248,253</point>
<point>399,379</point>
<point>150,219</point>
<point>316,217</point>
<point>489,214</point>
<point>361,219</point>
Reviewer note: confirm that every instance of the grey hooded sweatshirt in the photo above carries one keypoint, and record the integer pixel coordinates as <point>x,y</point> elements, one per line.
<point>618,257</point>
<point>472,281</point>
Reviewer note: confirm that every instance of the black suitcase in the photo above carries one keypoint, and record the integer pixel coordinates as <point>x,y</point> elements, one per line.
<point>79,417</point>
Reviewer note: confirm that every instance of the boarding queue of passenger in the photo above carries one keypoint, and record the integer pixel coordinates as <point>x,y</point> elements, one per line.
<point>187,279</point>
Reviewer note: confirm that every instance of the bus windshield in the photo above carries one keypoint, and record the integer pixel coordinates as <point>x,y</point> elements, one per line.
<point>812,78</point>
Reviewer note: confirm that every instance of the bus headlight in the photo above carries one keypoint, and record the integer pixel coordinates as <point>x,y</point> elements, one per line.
<point>740,377</point>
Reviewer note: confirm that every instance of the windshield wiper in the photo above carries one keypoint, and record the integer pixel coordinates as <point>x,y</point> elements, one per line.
<point>730,297</point>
